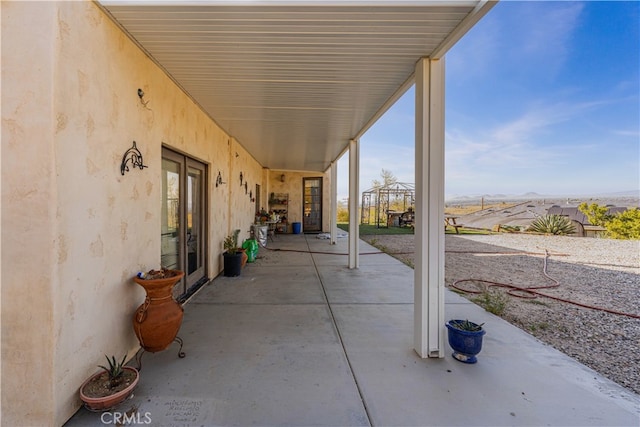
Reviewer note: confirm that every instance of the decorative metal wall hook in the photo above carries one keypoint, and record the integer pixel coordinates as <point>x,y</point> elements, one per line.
<point>141,96</point>
<point>240,178</point>
<point>134,156</point>
<point>219,179</point>
<point>245,187</point>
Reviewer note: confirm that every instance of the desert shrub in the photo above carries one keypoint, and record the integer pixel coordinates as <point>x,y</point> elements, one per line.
<point>343,214</point>
<point>493,301</point>
<point>596,214</point>
<point>509,228</point>
<point>552,224</point>
<point>625,225</point>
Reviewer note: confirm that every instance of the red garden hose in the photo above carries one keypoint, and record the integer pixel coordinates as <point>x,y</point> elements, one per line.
<point>532,292</point>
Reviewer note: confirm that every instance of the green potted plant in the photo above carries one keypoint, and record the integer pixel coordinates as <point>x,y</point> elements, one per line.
<point>232,258</point>
<point>109,387</point>
<point>465,338</point>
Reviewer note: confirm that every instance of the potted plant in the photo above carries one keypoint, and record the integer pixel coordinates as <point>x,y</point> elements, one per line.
<point>232,258</point>
<point>110,386</point>
<point>465,338</point>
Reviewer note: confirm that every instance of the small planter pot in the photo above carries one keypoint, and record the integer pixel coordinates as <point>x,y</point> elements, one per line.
<point>232,264</point>
<point>107,402</point>
<point>465,344</point>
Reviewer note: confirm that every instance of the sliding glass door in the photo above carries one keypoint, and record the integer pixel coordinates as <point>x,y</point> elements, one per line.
<point>183,216</point>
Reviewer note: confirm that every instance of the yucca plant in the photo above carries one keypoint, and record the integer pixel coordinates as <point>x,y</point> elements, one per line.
<point>552,224</point>
<point>115,370</point>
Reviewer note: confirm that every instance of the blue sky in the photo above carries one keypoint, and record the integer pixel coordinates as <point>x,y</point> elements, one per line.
<point>540,96</point>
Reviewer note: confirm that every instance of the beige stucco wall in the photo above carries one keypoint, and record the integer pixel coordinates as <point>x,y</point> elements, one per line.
<point>74,230</point>
<point>29,259</point>
<point>242,207</point>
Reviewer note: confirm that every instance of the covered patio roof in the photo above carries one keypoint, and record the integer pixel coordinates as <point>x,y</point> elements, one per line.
<point>294,81</point>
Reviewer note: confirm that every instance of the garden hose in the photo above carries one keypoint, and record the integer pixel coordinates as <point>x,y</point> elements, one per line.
<point>533,292</point>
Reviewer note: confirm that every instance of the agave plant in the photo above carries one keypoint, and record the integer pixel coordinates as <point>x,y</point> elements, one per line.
<point>115,370</point>
<point>552,224</point>
<point>466,325</point>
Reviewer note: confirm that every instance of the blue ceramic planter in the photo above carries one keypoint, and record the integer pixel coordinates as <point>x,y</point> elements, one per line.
<point>465,344</point>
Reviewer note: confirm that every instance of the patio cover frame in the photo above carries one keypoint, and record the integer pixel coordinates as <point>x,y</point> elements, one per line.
<point>298,83</point>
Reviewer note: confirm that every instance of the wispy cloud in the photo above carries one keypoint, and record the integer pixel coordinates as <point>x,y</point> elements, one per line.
<point>531,34</point>
<point>483,157</point>
<point>635,133</point>
<point>539,118</point>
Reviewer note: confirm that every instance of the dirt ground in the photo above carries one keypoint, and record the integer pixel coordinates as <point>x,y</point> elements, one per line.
<point>593,272</point>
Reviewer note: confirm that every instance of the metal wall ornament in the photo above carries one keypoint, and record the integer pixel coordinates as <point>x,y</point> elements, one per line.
<point>245,188</point>
<point>133,156</point>
<point>142,101</point>
<point>219,179</point>
<point>241,178</point>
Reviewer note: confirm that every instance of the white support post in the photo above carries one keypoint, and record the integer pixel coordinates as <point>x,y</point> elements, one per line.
<point>354,185</point>
<point>334,203</point>
<point>429,213</point>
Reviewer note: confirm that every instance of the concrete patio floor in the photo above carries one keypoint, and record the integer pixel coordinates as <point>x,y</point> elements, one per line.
<point>299,339</point>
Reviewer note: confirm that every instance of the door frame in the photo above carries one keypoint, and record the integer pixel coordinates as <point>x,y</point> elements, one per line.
<point>321,207</point>
<point>185,163</point>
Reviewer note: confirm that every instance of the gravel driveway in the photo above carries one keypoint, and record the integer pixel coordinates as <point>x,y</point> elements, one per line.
<point>594,272</point>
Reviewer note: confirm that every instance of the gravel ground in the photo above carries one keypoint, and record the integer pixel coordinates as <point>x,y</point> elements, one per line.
<point>596,272</point>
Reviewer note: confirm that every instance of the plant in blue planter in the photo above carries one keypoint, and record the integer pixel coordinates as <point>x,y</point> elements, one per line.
<point>465,338</point>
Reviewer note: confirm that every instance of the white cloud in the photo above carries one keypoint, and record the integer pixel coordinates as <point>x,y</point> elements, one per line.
<point>635,133</point>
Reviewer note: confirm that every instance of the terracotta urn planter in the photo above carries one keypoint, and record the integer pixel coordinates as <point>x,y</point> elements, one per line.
<point>157,321</point>
<point>96,395</point>
<point>245,257</point>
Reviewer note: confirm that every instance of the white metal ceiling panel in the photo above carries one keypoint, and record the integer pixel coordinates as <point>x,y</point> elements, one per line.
<point>293,81</point>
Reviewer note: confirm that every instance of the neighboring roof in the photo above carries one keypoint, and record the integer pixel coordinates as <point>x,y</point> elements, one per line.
<point>294,81</point>
<point>574,214</point>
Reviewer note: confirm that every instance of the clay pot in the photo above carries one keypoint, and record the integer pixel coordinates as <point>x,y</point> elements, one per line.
<point>245,257</point>
<point>157,321</point>
<point>107,402</point>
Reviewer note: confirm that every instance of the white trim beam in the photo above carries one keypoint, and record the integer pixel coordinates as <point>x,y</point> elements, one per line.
<point>334,203</point>
<point>429,215</point>
<point>404,87</point>
<point>354,185</point>
<point>467,23</point>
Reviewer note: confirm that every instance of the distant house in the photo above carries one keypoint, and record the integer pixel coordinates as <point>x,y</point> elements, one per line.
<point>583,227</point>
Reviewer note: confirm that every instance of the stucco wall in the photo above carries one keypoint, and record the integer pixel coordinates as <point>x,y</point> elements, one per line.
<point>242,207</point>
<point>29,259</point>
<point>76,229</point>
